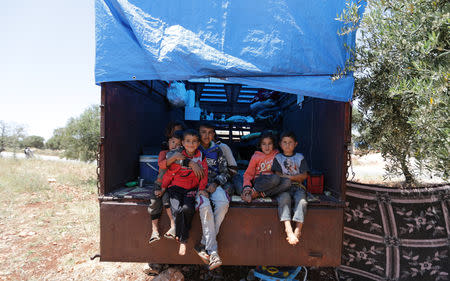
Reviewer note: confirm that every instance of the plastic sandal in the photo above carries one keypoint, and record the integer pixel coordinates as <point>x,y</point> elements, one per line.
<point>214,261</point>
<point>170,234</point>
<point>155,237</point>
<point>201,252</point>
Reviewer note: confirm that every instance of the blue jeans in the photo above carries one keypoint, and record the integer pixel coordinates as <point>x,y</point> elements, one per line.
<point>285,210</point>
<point>271,185</point>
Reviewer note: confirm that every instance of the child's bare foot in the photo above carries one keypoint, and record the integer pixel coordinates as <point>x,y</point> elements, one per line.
<point>292,239</point>
<point>298,230</point>
<point>182,249</point>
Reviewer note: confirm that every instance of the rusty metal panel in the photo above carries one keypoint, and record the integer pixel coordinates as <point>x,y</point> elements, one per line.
<point>248,236</point>
<point>134,117</point>
<point>102,138</point>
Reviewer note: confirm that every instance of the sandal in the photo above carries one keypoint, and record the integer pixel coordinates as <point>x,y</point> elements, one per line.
<point>155,237</point>
<point>201,252</point>
<point>214,261</point>
<point>170,234</point>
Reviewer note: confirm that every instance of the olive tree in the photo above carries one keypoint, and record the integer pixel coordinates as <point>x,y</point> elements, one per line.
<point>401,66</point>
<point>80,136</point>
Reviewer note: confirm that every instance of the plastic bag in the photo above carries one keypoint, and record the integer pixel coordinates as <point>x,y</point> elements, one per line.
<point>190,98</point>
<point>176,94</point>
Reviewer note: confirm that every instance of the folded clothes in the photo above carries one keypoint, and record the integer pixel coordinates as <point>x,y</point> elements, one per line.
<point>251,136</point>
<point>239,118</point>
<point>259,105</point>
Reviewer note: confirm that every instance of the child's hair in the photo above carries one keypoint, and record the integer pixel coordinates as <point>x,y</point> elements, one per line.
<point>190,132</point>
<point>288,134</point>
<point>206,125</point>
<point>171,126</point>
<point>267,134</point>
<point>178,134</point>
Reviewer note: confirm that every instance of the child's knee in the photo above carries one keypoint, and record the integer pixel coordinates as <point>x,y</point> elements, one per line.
<point>274,179</point>
<point>186,209</point>
<point>202,202</point>
<point>154,203</point>
<point>303,203</point>
<point>219,196</point>
<point>154,207</point>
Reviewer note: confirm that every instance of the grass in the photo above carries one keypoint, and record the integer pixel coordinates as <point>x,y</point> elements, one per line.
<point>48,152</point>
<point>45,224</point>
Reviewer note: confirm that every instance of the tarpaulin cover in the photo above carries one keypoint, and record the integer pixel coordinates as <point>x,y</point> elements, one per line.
<point>285,45</point>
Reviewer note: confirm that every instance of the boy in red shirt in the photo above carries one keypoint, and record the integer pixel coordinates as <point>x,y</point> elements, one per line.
<point>182,184</point>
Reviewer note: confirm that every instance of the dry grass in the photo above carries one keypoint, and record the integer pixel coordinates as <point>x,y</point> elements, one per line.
<point>48,152</point>
<point>48,229</point>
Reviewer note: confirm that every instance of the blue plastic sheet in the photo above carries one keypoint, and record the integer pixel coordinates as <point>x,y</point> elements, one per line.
<point>285,45</point>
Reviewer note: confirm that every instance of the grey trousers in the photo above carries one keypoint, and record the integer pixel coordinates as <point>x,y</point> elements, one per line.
<point>286,211</point>
<point>156,204</point>
<point>212,212</point>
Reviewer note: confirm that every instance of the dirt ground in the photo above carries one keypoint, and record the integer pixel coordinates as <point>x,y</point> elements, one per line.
<point>49,225</point>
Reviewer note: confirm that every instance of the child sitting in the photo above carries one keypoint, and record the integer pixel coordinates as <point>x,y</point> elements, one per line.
<point>259,172</point>
<point>165,158</point>
<point>214,206</point>
<point>294,167</point>
<point>182,184</point>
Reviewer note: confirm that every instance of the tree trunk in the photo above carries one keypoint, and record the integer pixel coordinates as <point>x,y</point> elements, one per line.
<point>409,179</point>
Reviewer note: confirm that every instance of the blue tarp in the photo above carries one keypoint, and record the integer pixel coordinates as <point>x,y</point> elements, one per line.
<point>285,45</point>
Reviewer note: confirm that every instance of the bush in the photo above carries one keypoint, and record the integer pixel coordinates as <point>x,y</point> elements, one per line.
<point>80,137</point>
<point>33,141</point>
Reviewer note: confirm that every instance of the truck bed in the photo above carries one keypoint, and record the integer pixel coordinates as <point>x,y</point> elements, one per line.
<point>251,234</point>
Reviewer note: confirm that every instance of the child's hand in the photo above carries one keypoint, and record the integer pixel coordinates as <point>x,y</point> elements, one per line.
<point>197,169</point>
<point>211,187</point>
<point>203,192</point>
<point>178,156</point>
<point>159,192</point>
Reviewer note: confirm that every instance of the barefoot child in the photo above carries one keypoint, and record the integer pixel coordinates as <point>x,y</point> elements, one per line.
<point>259,180</point>
<point>160,199</point>
<point>293,166</point>
<point>182,184</point>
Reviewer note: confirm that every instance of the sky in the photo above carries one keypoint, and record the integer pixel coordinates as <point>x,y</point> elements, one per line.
<point>47,57</point>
